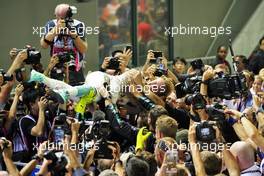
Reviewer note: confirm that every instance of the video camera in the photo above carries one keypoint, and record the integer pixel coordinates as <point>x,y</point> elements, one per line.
<point>98,131</point>
<point>5,76</point>
<point>226,86</point>
<point>33,55</point>
<point>205,131</point>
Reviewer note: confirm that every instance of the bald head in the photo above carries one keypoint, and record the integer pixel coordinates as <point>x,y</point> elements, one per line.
<point>61,10</point>
<point>244,154</point>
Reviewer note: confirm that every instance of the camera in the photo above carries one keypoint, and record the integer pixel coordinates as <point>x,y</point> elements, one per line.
<point>5,76</point>
<point>189,86</point>
<point>65,56</point>
<point>61,128</point>
<point>197,64</point>
<point>68,19</point>
<point>228,86</point>
<point>157,57</point>
<point>59,163</point>
<point>225,87</point>
<point>5,144</point>
<point>98,131</point>
<point>33,55</point>
<point>114,63</point>
<point>197,100</point>
<point>205,131</point>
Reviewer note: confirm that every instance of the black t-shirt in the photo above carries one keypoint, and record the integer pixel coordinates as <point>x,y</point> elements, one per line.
<point>32,141</point>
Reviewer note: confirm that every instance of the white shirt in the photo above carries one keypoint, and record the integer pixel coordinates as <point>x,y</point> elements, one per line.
<point>252,171</point>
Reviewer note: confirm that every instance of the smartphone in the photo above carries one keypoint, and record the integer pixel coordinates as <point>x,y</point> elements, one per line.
<point>157,54</point>
<point>162,146</point>
<point>171,160</point>
<point>58,135</point>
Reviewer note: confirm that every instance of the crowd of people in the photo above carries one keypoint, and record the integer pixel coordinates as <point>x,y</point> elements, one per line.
<point>186,120</point>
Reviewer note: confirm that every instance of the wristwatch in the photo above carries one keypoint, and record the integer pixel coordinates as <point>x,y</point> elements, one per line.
<point>37,157</point>
<point>75,37</point>
<point>243,115</point>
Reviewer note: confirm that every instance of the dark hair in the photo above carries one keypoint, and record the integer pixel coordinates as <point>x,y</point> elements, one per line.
<point>212,163</point>
<point>176,59</point>
<point>244,59</point>
<point>262,38</point>
<point>115,52</point>
<point>30,96</point>
<point>137,166</point>
<point>150,158</point>
<point>156,112</point>
<point>219,47</point>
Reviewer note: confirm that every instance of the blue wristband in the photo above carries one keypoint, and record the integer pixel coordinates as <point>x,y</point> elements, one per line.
<point>231,121</point>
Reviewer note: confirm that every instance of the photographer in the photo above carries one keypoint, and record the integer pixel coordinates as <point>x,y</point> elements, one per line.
<point>117,63</point>
<point>13,109</point>
<point>6,89</point>
<point>34,127</point>
<point>6,147</point>
<point>65,34</point>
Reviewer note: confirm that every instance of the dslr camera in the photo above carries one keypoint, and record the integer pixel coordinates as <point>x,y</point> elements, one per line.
<point>205,131</point>
<point>68,19</point>
<point>59,163</point>
<point>114,63</point>
<point>33,55</point>
<point>197,100</point>
<point>5,76</point>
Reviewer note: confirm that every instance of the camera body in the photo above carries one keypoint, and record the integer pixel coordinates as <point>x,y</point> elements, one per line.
<point>228,86</point>
<point>5,76</point>
<point>68,19</point>
<point>114,63</point>
<point>33,55</point>
<point>65,56</point>
<point>197,100</point>
<point>59,163</point>
<point>225,87</point>
<point>205,131</point>
<point>98,131</point>
<point>197,64</point>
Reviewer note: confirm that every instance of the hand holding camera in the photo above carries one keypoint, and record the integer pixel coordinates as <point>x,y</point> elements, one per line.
<point>208,74</point>
<point>60,26</point>
<point>150,56</point>
<point>6,148</point>
<point>19,89</point>
<point>54,60</point>
<point>75,126</point>
<point>105,63</point>
<point>13,53</point>
<point>43,102</point>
